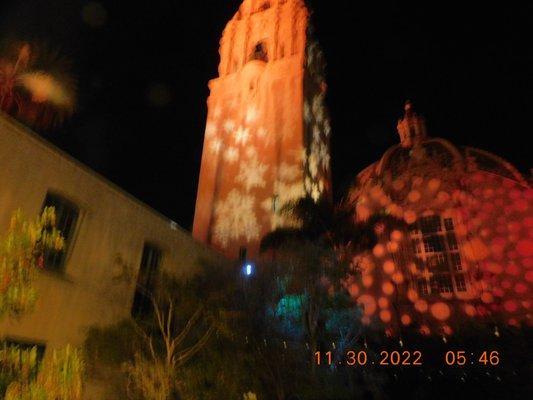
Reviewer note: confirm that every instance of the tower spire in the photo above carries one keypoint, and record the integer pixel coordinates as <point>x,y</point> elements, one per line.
<point>412,127</point>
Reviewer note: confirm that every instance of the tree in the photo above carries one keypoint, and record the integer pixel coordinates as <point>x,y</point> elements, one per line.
<point>59,377</point>
<point>21,253</point>
<point>305,302</point>
<point>153,374</point>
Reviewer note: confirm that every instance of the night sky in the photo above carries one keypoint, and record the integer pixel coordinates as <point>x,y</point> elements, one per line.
<point>142,70</point>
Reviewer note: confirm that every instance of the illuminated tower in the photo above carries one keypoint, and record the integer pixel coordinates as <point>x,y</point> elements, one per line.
<point>267,133</point>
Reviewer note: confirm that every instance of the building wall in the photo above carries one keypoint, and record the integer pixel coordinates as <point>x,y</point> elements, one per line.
<point>107,243</point>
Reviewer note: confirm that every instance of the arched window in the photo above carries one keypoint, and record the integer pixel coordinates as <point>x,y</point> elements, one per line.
<point>264,6</point>
<point>259,52</point>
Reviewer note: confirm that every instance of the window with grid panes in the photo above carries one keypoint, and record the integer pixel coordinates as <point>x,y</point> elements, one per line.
<point>456,261</point>
<point>422,286</point>
<point>460,283</point>
<point>430,224</point>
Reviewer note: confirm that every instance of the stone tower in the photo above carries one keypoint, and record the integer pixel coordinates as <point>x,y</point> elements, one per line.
<point>267,132</point>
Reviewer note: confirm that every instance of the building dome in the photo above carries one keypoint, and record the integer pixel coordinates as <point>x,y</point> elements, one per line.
<point>461,236</point>
<point>418,150</point>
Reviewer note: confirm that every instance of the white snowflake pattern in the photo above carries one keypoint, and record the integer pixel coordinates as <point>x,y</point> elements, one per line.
<point>288,172</point>
<point>218,112</point>
<point>316,133</point>
<point>315,193</point>
<point>288,192</point>
<point>210,129</point>
<point>233,103</point>
<point>242,135</point>
<point>229,125</point>
<point>252,174</point>
<point>323,155</point>
<point>231,155</point>
<point>313,164</point>
<point>235,219</point>
<point>251,152</point>
<point>327,128</point>
<point>307,112</point>
<point>318,108</point>
<point>261,133</point>
<point>215,146</point>
<point>251,114</point>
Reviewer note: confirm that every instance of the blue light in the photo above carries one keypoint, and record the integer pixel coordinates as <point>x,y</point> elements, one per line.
<point>248,269</point>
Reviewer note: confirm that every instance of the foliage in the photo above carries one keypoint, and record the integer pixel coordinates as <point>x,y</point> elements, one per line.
<point>59,377</point>
<point>223,369</point>
<point>21,252</point>
<point>16,365</point>
<point>111,345</point>
<point>150,378</point>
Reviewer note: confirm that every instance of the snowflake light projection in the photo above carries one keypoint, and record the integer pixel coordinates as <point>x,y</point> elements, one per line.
<point>236,218</point>
<point>266,141</point>
<point>458,242</point>
<point>252,174</point>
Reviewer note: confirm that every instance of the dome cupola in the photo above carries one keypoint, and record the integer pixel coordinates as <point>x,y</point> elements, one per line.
<point>412,127</point>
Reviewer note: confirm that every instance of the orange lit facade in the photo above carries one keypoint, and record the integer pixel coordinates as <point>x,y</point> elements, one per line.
<point>460,244</point>
<point>267,133</point>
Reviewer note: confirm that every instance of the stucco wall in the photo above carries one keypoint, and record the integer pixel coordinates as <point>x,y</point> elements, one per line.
<point>111,224</point>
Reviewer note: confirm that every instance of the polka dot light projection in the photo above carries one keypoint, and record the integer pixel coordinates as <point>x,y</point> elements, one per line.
<point>458,244</point>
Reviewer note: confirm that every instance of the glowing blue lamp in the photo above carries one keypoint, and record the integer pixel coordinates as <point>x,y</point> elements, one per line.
<point>248,269</point>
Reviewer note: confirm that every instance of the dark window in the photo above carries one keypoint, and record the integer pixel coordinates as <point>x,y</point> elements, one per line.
<point>416,246</point>
<point>433,243</point>
<point>430,224</point>
<point>259,52</point>
<point>441,283</point>
<point>66,217</point>
<point>448,224</point>
<point>456,261</point>
<point>460,283</point>
<point>422,286</point>
<point>264,6</point>
<point>452,241</point>
<point>437,261</point>
<point>26,346</point>
<point>148,271</point>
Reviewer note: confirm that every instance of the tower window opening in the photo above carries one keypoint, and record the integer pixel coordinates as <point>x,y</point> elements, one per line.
<point>264,6</point>
<point>259,52</point>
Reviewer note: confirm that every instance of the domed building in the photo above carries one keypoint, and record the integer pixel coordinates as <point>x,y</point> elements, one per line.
<point>456,237</point>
